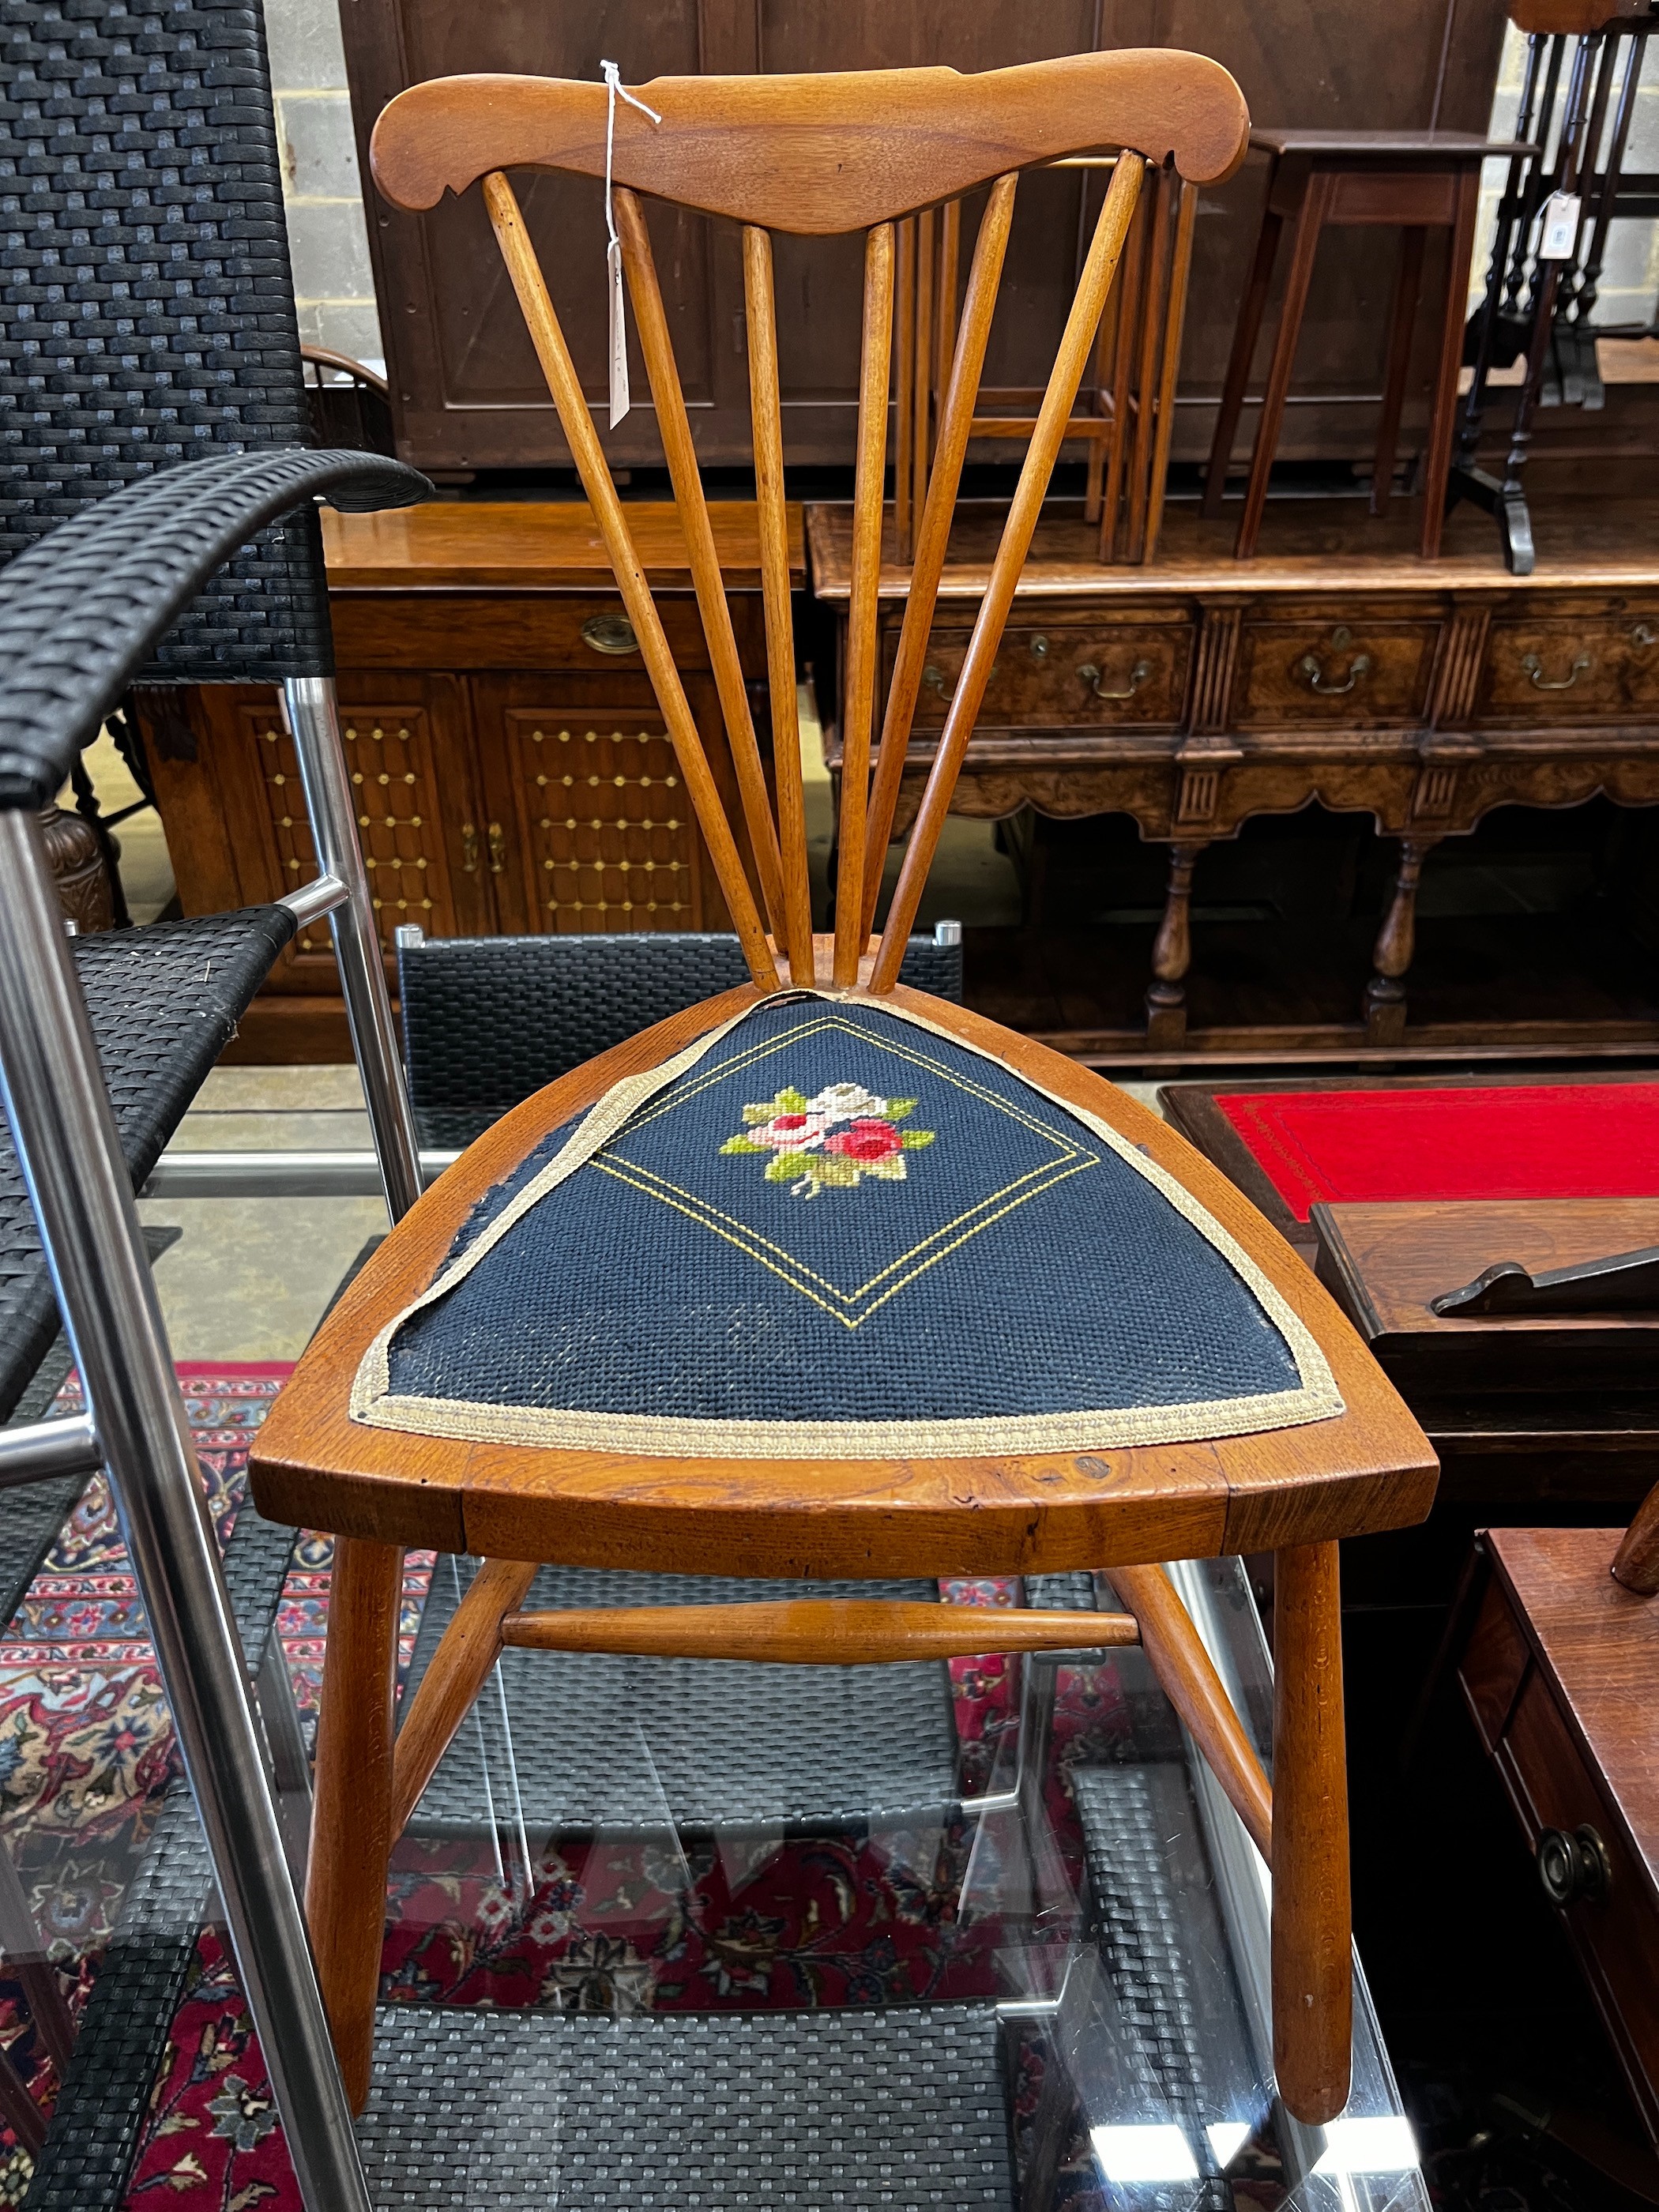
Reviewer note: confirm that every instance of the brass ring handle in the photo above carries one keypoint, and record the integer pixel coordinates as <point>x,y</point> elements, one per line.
<point>497,849</point>
<point>1313,668</point>
<point>469,848</point>
<point>933,680</point>
<point>1644,635</point>
<point>1535,668</point>
<point>611,634</point>
<point>1139,674</point>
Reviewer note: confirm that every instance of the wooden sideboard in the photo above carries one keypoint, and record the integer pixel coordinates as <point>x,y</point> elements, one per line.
<point>1336,668</point>
<point>515,772</point>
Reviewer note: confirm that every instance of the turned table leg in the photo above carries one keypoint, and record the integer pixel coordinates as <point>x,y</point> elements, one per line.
<point>1636,1562</point>
<point>351,1818</point>
<point>1312,1932</point>
<point>1172,954</point>
<point>1396,942</point>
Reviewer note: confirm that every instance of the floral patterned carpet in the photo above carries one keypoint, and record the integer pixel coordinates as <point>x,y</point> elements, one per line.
<point>610,1925</point>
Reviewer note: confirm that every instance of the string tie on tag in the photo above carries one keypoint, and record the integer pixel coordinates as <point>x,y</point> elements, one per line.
<point>615,89</point>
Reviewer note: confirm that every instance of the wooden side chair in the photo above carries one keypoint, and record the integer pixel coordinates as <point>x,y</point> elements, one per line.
<point>824,1277</point>
<point>1124,410</point>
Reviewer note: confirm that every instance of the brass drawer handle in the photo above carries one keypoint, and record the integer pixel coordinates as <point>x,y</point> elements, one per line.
<point>1573,1866</point>
<point>497,849</point>
<point>1644,635</point>
<point>1140,674</point>
<point>469,848</point>
<point>611,634</point>
<point>1535,668</point>
<point>932,679</point>
<point>1313,668</point>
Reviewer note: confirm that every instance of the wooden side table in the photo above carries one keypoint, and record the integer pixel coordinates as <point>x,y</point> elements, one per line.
<point>1417,180</point>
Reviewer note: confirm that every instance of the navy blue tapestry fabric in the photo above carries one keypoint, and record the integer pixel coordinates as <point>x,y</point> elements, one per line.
<point>839,1219</point>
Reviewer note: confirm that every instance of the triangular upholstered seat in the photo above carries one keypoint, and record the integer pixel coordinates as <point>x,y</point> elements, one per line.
<point>830,1229</point>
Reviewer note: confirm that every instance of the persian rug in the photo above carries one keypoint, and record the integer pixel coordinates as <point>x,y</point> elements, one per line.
<point>86,1738</point>
<point>1496,1140</point>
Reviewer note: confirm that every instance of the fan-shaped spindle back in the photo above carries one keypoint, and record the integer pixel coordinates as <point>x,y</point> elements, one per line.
<point>889,153</point>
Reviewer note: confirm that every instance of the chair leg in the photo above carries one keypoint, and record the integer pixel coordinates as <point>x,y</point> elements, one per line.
<point>459,1670</point>
<point>1402,320</point>
<point>351,1819</point>
<point>1304,245</point>
<point>1250,312</point>
<point>1442,418</point>
<point>26,1957</point>
<point>1186,1675</point>
<point>1312,1929</point>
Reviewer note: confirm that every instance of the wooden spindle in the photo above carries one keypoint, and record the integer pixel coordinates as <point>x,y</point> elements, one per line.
<point>904,325</point>
<point>1174,325</point>
<point>945,321</point>
<point>956,416</point>
<point>456,1673</point>
<point>922,392</point>
<point>674,428</point>
<point>574,420</point>
<point>772,517</point>
<point>815,1632</point>
<point>1076,341</point>
<point>1152,326</point>
<point>1123,354</point>
<point>1312,1931</point>
<point>859,693</point>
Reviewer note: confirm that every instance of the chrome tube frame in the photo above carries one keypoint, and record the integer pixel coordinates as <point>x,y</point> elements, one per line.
<point>313,721</point>
<point>64,1131</point>
<point>40,1449</point>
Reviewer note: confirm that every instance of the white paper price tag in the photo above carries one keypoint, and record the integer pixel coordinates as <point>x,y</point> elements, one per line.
<point>1559,235</point>
<point>619,400</point>
<point>613,257</point>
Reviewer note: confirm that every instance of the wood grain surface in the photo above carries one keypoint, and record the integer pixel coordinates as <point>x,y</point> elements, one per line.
<point>528,545</point>
<point>821,154</point>
<point>1368,1467</point>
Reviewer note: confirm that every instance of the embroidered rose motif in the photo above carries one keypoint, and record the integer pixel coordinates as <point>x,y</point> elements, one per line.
<point>832,1141</point>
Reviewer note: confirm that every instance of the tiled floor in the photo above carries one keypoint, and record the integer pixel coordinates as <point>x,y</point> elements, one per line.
<point>251,1277</point>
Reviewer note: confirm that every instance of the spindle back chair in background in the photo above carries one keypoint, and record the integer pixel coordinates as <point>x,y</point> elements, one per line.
<point>819,1490</point>
<point>1124,413</point>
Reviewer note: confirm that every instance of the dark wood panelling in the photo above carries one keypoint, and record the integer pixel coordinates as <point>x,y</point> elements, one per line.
<point>464,390</point>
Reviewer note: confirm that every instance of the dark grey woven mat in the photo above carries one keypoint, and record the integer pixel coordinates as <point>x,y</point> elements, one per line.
<point>1155,1915</point>
<point>164,1002</point>
<point>597,1740</point>
<point>504,2112</point>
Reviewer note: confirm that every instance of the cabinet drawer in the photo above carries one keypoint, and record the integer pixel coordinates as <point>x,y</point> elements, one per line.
<point>1616,1935</point>
<point>1571,668</point>
<point>1355,674</point>
<point>1102,674</point>
<point>588,635</point>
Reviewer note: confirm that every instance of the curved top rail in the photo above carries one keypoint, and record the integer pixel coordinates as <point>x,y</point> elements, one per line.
<point>838,151</point>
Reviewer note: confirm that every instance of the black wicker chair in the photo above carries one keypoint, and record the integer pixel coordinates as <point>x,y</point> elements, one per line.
<point>487,1020</point>
<point>157,513</point>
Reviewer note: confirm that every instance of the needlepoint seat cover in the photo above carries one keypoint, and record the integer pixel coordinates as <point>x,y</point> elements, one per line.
<point>830,1229</point>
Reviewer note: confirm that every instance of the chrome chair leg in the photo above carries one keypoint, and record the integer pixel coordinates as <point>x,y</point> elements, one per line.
<point>313,719</point>
<point>64,1131</point>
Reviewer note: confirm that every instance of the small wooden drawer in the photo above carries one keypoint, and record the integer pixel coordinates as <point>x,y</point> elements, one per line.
<point>540,630</point>
<point>1104,675</point>
<point>1310,670</point>
<point>1571,667</point>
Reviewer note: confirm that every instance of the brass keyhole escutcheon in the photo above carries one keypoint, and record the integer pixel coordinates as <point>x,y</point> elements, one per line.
<point>611,634</point>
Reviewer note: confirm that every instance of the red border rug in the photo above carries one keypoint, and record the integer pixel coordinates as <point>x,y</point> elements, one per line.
<point>1508,1141</point>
